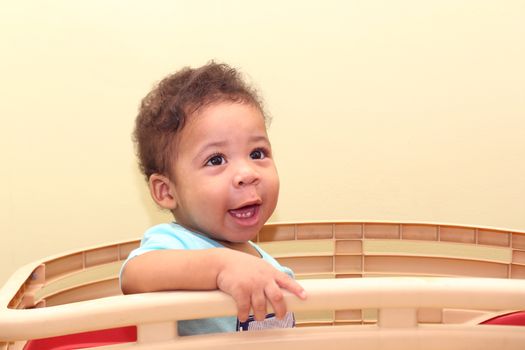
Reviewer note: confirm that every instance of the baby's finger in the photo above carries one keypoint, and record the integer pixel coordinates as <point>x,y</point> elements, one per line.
<point>286,282</point>
<point>259,305</point>
<point>275,296</point>
<point>243,306</point>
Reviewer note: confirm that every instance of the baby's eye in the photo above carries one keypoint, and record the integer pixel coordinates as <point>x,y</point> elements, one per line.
<point>258,154</point>
<point>216,160</point>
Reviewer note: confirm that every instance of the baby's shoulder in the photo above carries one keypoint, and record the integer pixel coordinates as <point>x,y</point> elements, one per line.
<point>175,236</point>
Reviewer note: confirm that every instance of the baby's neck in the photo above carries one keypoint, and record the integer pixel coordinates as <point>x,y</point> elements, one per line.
<point>244,247</point>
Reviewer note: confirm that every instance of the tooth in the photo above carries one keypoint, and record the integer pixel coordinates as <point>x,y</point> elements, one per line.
<point>247,214</point>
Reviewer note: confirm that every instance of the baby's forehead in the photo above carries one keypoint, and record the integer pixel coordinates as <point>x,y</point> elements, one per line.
<point>223,121</point>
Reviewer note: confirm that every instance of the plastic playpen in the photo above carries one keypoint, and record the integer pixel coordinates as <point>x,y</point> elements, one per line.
<point>370,285</point>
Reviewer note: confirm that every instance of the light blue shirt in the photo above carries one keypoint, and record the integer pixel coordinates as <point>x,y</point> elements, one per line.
<point>174,236</point>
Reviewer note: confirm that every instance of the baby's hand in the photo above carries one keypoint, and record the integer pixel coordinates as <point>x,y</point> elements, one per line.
<point>252,282</point>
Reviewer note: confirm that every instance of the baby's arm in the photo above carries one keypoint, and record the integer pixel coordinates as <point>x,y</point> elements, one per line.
<point>251,281</point>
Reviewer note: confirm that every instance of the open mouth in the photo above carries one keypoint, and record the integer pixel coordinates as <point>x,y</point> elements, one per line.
<point>245,212</point>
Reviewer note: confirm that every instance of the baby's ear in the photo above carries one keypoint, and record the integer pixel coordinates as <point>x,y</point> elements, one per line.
<point>162,191</point>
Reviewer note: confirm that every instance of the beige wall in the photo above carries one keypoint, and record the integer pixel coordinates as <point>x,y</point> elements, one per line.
<point>383,110</point>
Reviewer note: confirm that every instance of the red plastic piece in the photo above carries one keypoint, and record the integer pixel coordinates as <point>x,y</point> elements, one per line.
<point>85,340</point>
<point>511,319</point>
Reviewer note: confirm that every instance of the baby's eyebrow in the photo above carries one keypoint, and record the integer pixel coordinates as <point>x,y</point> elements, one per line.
<point>258,138</point>
<point>213,144</point>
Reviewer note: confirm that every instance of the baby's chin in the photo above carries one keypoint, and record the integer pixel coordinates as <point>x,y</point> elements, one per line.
<point>229,231</point>
<point>240,239</point>
<point>241,236</point>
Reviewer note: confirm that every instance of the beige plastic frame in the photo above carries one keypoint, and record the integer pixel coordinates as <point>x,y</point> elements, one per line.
<point>453,277</point>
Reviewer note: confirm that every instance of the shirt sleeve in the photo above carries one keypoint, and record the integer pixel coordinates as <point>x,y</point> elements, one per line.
<point>157,238</point>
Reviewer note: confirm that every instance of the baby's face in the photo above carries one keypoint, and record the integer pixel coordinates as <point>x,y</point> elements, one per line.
<point>226,183</point>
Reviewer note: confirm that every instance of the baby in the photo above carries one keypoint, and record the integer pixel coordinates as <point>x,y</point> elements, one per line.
<point>202,145</point>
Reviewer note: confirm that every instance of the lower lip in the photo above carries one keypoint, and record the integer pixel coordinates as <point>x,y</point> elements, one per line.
<point>247,221</point>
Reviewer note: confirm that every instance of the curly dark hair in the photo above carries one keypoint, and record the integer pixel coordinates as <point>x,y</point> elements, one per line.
<point>165,110</point>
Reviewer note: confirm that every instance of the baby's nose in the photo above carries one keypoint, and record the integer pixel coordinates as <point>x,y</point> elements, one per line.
<point>246,175</point>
